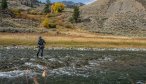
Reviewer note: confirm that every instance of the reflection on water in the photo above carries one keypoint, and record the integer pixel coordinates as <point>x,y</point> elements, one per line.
<point>73,66</point>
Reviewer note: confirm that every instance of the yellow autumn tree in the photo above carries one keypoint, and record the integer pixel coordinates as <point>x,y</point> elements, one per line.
<point>45,23</point>
<point>57,7</point>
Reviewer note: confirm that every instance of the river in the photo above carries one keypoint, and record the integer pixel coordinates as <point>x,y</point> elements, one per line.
<point>19,65</point>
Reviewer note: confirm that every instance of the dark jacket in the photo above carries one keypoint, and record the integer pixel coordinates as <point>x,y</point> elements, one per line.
<point>41,43</point>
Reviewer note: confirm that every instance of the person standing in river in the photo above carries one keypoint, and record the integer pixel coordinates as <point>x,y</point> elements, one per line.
<point>41,45</point>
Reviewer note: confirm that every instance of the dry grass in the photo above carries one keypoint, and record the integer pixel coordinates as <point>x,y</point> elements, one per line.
<point>73,41</point>
<point>32,17</point>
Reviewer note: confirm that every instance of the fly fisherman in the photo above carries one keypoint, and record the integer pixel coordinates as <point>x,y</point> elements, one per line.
<point>41,45</point>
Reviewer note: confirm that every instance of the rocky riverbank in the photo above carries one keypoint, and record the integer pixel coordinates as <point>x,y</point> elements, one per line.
<point>68,64</point>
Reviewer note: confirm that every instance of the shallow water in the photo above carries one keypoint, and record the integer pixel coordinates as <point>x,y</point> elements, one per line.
<point>73,66</point>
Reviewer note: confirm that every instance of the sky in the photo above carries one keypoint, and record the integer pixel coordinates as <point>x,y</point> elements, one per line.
<point>83,1</point>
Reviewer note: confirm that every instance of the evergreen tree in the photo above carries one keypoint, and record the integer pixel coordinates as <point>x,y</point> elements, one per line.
<point>76,14</point>
<point>48,1</point>
<point>47,8</point>
<point>4,4</point>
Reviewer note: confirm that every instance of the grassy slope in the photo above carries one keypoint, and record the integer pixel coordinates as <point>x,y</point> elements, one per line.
<point>69,39</point>
<point>93,41</point>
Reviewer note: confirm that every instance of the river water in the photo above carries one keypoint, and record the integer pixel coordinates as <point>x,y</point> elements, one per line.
<point>19,65</point>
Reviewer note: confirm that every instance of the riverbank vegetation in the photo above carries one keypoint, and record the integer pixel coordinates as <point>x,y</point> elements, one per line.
<point>97,41</point>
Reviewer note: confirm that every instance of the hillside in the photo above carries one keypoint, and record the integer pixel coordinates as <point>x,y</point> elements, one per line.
<point>23,4</point>
<point>71,4</point>
<point>114,17</point>
<point>118,17</point>
<point>22,18</point>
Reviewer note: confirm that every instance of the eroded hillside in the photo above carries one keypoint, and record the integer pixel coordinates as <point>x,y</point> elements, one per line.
<point>120,17</point>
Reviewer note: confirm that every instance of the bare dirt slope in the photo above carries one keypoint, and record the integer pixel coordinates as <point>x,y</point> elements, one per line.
<point>120,17</point>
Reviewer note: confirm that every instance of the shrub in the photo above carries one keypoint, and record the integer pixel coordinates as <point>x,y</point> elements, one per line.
<point>71,20</point>
<point>40,13</point>
<point>60,23</point>
<point>17,12</point>
<point>32,17</point>
<point>33,12</point>
<point>4,4</point>
<point>52,25</point>
<point>16,30</point>
<point>45,23</point>
<point>50,15</point>
<point>69,26</point>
